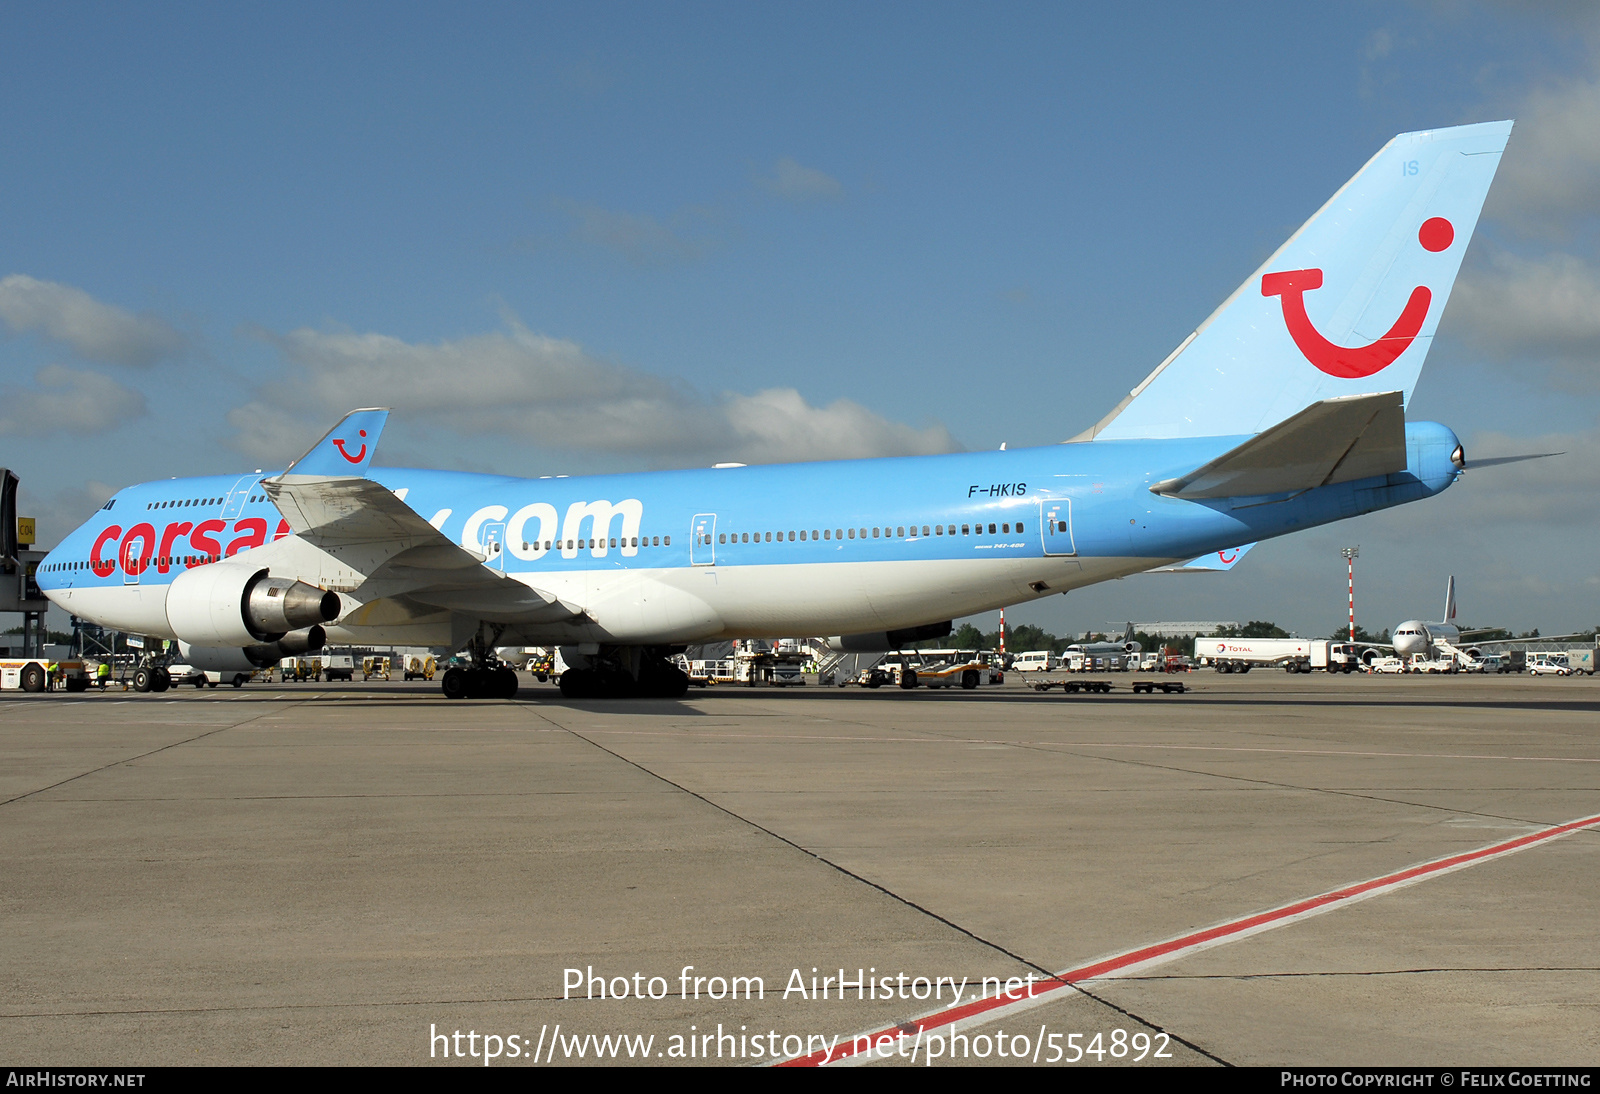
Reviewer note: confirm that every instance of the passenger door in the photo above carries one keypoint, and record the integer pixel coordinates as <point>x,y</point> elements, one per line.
<point>1055,523</point>
<point>703,540</point>
<point>493,536</point>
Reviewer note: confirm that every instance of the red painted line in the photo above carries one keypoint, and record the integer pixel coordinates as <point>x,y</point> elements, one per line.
<point>1252,923</point>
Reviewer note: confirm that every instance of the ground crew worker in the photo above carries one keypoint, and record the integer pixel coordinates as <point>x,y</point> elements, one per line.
<point>103,674</point>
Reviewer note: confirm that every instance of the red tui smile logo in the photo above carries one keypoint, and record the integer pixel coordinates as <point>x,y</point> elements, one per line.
<point>359,456</point>
<point>1349,362</point>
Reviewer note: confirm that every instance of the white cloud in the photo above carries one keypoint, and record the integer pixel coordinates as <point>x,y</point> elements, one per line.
<point>93,330</point>
<point>59,513</point>
<point>641,238</point>
<point>272,436</point>
<point>795,182</point>
<point>550,392</point>
<point>1546,307</point>
<point>67,400</point>
<point>1543,494</point>
<point>1550,173</point>
<point>779,425</point>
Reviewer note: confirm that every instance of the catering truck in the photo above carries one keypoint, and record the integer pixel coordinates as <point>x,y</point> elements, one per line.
<point>1289,654</point>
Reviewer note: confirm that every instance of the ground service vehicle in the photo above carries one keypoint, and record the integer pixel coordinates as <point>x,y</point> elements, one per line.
<point>955,668</point>
<point>338,666</point>
<point>300,669</point>
<point>1581,659</point>
<point>33,674</point>
<point>1290,654</point>
<point>200,678</point>
<point>777,664</point>
<point>1422,663</point>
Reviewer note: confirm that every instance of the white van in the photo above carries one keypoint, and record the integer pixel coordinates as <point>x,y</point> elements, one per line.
<point>1034,661</point>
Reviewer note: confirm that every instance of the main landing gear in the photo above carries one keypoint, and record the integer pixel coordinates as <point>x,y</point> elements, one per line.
<point>498,682</point>
<point>624,673</point>
<point>487,677</point>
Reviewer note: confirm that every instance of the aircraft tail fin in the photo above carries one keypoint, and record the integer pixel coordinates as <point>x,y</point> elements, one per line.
<point>1449,600</point>
<point>1348,306</point>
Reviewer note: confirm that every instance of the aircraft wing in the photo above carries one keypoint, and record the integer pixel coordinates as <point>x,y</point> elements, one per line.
<point>399,555</point>
<point>1216,562</point>
<point>1522,641</point>
<point>1337,440</point>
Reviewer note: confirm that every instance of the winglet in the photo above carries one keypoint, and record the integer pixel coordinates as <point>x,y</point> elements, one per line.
<point>345,451</point>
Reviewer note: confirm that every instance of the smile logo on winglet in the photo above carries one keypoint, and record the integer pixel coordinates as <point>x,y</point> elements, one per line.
<point>1347,362</point>
<point>361,455</point>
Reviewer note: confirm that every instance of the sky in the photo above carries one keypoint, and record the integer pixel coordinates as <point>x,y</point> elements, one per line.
<point>561,239</point>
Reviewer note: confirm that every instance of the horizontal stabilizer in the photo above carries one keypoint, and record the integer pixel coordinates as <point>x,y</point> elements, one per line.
<point>1215,562</point>
<point>1337,440</point>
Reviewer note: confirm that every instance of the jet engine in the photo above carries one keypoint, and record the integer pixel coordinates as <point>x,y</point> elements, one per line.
<point>249,658</point>
<point>235,606</point>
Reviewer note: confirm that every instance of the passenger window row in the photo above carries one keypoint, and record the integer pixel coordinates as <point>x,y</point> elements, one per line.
<point>197,501</point>
<point>899,531</point>
<point>580,544</point>
<point>182,504</point>
<point>156,560</point>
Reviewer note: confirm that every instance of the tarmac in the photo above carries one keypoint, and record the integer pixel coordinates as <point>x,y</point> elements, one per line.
<point>354,873</point>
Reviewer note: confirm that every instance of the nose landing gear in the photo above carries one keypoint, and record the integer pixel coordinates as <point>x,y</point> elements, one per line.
<point>150,677</point>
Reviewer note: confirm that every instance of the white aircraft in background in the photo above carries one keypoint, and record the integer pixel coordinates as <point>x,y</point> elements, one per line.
<point>1106,649</point>
<point>1443,640</point>
<point>1414,636</point>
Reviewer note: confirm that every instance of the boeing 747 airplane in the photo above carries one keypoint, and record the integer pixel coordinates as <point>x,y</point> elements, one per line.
<point>1284,410</point>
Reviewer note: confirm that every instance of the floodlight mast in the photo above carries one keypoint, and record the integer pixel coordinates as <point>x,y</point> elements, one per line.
<point>1350,554</point>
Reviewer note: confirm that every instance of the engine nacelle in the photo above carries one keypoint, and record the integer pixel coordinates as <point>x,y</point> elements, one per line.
<point>216,659</point>
<point>224,605</point>
<point>260,656</point>
<point>878,641</point>
<point>290,645</point>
